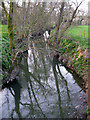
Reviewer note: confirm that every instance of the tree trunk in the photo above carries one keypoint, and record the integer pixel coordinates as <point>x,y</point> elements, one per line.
<point>59,21</point>
<point>9,17</point>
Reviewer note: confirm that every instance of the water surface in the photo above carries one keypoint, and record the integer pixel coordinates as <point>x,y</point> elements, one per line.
<point>43,88</point>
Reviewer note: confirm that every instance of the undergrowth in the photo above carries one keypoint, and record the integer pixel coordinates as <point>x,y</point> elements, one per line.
<point>73,46</point>
<point>5,56</point>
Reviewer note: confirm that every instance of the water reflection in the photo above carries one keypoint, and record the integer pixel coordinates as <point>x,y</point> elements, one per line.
<point>15,90</point>
<point>43,89</point>
<point>55,64</point>
<point>65,81</point>
<point>30,86</point>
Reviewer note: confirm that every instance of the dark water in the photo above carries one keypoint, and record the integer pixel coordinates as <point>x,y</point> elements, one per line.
<point>43,89</point>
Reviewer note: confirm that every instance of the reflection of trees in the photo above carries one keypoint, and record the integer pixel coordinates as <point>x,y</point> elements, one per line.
<point>42,61</point>
<point>37,77</point>
<point>36,98</point>
<point>65,81</point>
<point>41,67</point>
<point>55,63</point>
<point>55,59</point>
<point>76,78</point>
<point>15,90</point>
<point>30,86</point>
<point>37,82</point>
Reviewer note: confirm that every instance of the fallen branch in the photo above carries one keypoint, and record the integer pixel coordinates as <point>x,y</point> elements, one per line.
<point>14,69</point>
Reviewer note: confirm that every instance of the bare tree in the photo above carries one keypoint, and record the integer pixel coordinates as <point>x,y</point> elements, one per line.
<point>65,19</point>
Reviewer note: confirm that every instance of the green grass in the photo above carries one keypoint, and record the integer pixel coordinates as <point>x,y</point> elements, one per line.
<point>80,64</point>
<point>5,58</point>
<point>79,34</point>
<point>3,29</point>
<point>81,31</point>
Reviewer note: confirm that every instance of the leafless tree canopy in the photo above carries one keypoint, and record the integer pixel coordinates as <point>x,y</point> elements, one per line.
<point>34,17</point>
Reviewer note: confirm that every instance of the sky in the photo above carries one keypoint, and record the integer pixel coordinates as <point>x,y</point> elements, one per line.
<point>84,5</point>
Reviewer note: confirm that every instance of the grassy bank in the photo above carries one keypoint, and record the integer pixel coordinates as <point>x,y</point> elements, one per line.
<point>5,48</point>
<point>74,47</point>
<point>5,57</point>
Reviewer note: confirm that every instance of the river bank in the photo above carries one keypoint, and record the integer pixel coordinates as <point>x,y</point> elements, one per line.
<point>75,57</point>
<point>73,49</point>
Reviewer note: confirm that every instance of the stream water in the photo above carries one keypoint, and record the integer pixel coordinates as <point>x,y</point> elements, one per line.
<point>43,88</point>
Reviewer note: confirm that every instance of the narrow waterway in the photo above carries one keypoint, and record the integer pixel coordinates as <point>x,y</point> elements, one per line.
<point>43,88</point>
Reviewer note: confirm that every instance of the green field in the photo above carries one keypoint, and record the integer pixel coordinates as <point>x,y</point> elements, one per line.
<point>79,34</point>
<point>79,31</point>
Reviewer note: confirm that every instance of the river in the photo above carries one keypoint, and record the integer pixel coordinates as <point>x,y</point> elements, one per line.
<point>43,88</point>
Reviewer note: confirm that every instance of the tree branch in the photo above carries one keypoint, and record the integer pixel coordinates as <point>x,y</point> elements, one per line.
<point>68,25</point>
<point>59,21</point>
<point>4,8</point>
